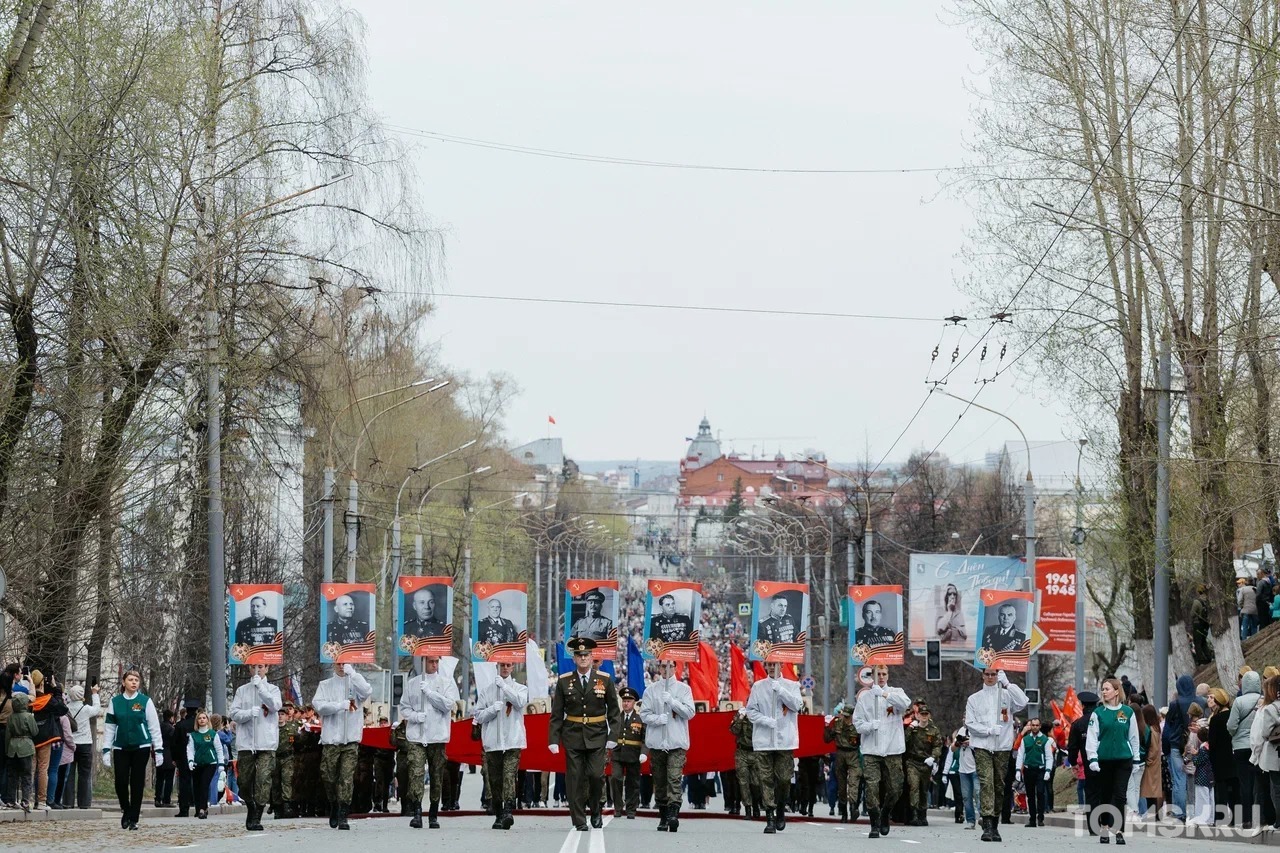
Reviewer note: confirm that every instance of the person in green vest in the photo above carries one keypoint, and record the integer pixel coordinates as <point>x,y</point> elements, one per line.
<point>131,736</point>
<point>1111,747</point>
<point>1034,768</point>
<point>205,757</point>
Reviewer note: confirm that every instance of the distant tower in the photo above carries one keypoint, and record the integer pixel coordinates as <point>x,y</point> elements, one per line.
<point>702,449</point>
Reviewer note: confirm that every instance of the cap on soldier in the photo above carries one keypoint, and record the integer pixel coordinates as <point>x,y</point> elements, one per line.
<point>847,710</point>
<point>579,644</point>
<point>628,693</point>
<point>593,595</point>
<point>922,707</point>
<point>191,703</point>
<point>1088,697</point>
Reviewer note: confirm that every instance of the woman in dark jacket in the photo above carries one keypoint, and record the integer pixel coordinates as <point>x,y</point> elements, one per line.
<point>1224,767</point>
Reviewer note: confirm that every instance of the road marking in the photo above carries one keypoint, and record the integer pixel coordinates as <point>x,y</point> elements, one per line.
<point>571,842</point>
<point>597,837</point>
<point>908,841</point>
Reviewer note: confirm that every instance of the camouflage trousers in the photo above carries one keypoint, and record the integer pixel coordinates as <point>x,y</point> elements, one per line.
<point>429,757</point>
<point>918,778</point>
<point>775,767</point>
<point>744,762</point>
<point>282,787</point>
<point>667,766</point>
<point>254,771</point>
<point>883,774</point>
<point>501,767</point>
<point>338,770</point>
<point>992,767</point>
<point>848,775</point>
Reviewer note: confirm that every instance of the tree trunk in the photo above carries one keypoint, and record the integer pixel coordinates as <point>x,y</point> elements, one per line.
<point>28,33</point>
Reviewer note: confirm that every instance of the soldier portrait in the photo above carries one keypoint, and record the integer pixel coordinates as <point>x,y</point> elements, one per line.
<point>669,622</point>
<point>589,614</point>
<point>263,622</point>
<point>348,618</point>
<point>423,612</point>
<point>875,626</point>
<point>495,628</point>
<point>1006,631</point>
<point>780,622</point>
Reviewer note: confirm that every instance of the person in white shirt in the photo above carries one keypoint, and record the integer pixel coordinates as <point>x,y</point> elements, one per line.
<point>666,711</point>
<point>427,709</point>
<point>256,711</point>
<point>878,717</point>
<point>772,708</point>
<point>338,702</point>
<point>500,715</point>
<point>967,772</point>
<point>989,717</point>
<point>78,792</point>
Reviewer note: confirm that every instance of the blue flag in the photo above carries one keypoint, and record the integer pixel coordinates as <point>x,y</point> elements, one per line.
<point>635,667</point>
<point>564,663</point>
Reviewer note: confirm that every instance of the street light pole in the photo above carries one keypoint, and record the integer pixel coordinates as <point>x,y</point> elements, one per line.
<point>1078,538</point>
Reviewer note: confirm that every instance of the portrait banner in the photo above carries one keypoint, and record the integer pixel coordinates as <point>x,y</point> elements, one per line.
<point>591,611</point>
<point>878,635</point>
<point>424,617</point>
<point>942,598</point>
<point>499,622</point>
<point>1056,609</point>
<point>256,613</point>
<point>672,613</point>
<point>1004,624</point>
<point>778,633</point>
<point>348,623</point>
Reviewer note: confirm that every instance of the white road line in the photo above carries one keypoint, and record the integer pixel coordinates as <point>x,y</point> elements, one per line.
<point>571,842</point>
<point>908,841</point>
<point>597,837</point>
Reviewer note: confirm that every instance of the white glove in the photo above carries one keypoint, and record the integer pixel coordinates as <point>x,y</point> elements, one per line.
<point>553,748</point>
<point>1093,765</point>
<point>106,758</point>
<point>742,712</point>
<point>191,765</point>
<point>643,758</point>
<point>423,686</point>
<point>159,757</point>
<point>348,669</point>
<point>611,744</point>
<point>498,706</point>
<point>875,726</point>
<point>877,690</point>
<point>915,724</point>
<point>1002,679</point>
<point>1048,774</point>
<point>827,720</point>
<point>661,719</point>
<point>928,762</point>
<point>1017,776</point>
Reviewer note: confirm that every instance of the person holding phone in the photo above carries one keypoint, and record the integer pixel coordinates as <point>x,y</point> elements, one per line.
<point>130,737</point>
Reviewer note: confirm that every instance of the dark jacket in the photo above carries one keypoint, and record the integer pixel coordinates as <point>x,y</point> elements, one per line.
<point>1076,739</point>
<point>1175,722</point>
<point>1224,765</point>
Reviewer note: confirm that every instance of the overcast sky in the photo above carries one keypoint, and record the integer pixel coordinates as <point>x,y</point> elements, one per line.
<point>856,84</point>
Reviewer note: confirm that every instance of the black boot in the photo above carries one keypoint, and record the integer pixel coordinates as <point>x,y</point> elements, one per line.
<point>432,814</point>
<point>779,819</point>
<point>415,810</point>
<point>333,815</point>
<point>884,821</point>
<point>995,829</point>
<point>769,827</point>
<point>508,815</point>
<point>844,812</point>
<point>673,818</point>
<point>663,826</point>
<point>258,808</point>
<point>343,810</point>
<point>986,829</point>
<point>875,824</point>
<point>497,817</point>
<point>248,815</point>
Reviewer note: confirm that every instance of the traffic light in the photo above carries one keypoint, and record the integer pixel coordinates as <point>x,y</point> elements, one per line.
<point>397,688</point>
<point>932,660</point>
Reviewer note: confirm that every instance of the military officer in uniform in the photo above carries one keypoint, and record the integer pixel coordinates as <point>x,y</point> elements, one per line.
<point>667,709</point>
<point>878,718</point>
<point>282,801</point>
<point>345,629</point>
<point>339,702</point>
<point>780,627</point>
<point>871,632</point>
<point>744,764</point>
<point>585,721</point>
<point>848,761</point>
<point>423,623</point>
<point>593,626</point>
<point>1004,637</point>
<point>989,717</point>
<point>627,757</point>
<point>494,629</point>
<point>670,626</point>
<point>924,751</point>
<point>259,628</point>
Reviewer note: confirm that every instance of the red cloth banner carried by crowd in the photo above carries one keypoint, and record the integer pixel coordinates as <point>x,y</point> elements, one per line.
<point>739,687</point>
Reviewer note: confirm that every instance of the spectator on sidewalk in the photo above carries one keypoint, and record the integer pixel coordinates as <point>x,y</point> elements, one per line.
<point>47,708</point>
<point>78,790</point>
<point>20,751</point>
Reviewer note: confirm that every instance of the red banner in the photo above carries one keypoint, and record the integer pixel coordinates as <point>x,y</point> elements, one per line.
<point>1056,583</point>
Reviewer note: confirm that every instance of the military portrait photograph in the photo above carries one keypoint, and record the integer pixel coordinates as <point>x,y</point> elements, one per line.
<point>499,622</point>
<point>1004,628</point>
<point>256,614</point>
<point>879,635</point>
<point>673,611</point>
<point>779,627</point>
<point>424,616</point>
<point>347,623</point>
<point>591,611</point>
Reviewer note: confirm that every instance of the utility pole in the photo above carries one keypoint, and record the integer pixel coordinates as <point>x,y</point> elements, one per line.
<point>1161,597</point>
<point>848,622</point>
<point>1078,538</point>
<point>352,523</point>
<point>537,587</point>
<point>1033,666</point>
<point>466,659</point>
<point>329,478</point>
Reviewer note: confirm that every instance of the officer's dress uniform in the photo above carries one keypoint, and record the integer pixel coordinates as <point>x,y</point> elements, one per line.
<point>347,631</point>
<point>595,628</point>
<point>585,720</point>
<point>989,717</point>
<point>877,716</point>
<point>666,711</point>
<point>1035,763</point>
<point>848,764</point>
<point>924,751</point>
<point>338,701</point>
<point>256,632</point>
<point>500,714</point>
<point>773,708</point>
<point>778,629</point>
<point>744,763</point>
<point>427,707</point>
<point>496,631</point>
<point>670,629</point>
<point>256,711</point>
<point>626,763</point>
<point>877,635</point>
<point>282,799</point>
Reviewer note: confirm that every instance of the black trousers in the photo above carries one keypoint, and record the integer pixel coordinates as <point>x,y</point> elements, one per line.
<point>202,778</point>
<point>164,785</point>
<point>131,775</point>
<point>78,792</point>
<point>186,794</point>
<point>1033,781</point>
<point>1112,786</point>
<point>1247,789</point>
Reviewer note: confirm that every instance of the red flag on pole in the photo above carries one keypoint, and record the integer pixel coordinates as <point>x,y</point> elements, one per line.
<point>704,676</point>
<point>757,669</point>
<point>791,672</point>
<point>550,419</point>
<point>739,689</point>
<point>1071,708</point>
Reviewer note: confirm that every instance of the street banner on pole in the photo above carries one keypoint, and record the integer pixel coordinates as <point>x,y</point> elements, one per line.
<point>878,635</point>
<point>348,628</point>
<point>502,635</point>
<point>257,619</point>
<point>424,616</point>
<point>943,597</point>
<point>1056,609</point>
<point>672,613</point>
<point>591,611</point>
<point>1004,624</point>
<point>779,632</point>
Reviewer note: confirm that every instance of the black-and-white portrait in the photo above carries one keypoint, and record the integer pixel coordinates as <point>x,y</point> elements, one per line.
<point>671,619</point>
<point>263,622</point>
<point>348,618</point>
<point>426,611</point>
<point>1005,626</point>
<point>780,617</point>
<point>592,613</point>
<point>502,618</point>
<point>876,621</point>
